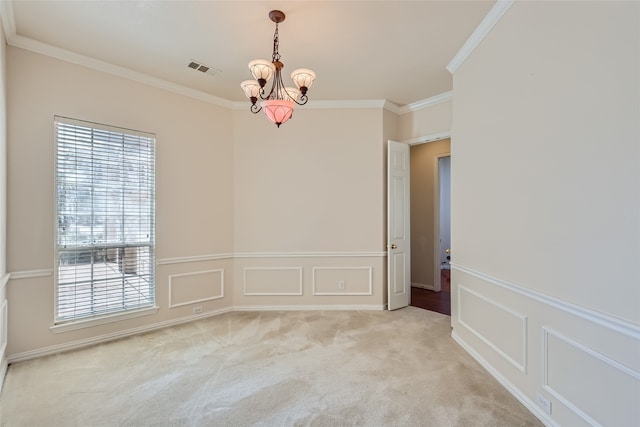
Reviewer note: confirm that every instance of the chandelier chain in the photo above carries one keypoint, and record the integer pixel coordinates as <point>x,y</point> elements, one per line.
<point>276,44</point>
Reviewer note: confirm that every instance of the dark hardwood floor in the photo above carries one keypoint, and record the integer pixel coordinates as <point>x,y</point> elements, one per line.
<point>435,301</point>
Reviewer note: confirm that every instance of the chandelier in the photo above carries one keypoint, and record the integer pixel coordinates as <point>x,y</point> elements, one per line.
<point>279,102</point>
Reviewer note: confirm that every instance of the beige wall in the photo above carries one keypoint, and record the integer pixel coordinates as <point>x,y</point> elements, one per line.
<point>313,184</point>
<point>426,121</point>
<point>545,208</point>
<point>4,277</point>
<point>307,210</point>
<point>424,235</point>
<point>247,215</point>
<point>194,200</point>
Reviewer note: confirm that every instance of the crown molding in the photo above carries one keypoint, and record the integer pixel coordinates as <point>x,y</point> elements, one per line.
<point>85,61</point>
<point>320,105</point>
<point>489,21</point>
<point>390,106</point>
<point>15,40</point>
<point>425,103</point>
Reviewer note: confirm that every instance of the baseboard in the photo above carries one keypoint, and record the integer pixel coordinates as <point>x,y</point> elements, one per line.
<point>3,372</point>
<point>423,286</point>
<point>74,345</point>
<point>515,391</point>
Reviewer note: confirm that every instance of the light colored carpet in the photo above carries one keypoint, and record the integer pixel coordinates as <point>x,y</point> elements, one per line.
<point>330,368</point>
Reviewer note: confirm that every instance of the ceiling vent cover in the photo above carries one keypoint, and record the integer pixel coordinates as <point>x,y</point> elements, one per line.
<point>196,65</point>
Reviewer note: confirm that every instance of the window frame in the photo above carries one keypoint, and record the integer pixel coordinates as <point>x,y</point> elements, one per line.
<point>93,316</point>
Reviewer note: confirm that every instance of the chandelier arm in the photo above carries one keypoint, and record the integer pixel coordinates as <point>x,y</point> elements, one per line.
<point>255,108</point>
<point>268,95</point>
<point>303,100</point>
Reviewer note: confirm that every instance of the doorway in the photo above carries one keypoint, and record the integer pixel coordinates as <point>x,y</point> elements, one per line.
<point>430,225</point>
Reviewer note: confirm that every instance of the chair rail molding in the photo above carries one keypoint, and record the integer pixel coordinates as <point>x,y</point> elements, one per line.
<point>627,328</point>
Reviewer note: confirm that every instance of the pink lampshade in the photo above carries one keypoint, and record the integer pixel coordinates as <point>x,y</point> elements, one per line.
<point>277,110</point>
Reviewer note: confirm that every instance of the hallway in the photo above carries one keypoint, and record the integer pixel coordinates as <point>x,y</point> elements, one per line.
<point>439,302</point>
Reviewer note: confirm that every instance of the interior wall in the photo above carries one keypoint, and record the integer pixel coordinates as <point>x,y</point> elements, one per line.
<point>432,120</point>
<point>4,276</point>
<point>545,208</point>
<point>308,209</point>
<point>424,231</point>
<point>194,200</point>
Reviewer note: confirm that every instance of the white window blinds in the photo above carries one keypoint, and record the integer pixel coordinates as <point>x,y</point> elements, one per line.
<point>105,239</point>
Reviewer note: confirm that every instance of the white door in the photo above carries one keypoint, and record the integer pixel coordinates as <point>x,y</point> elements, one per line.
<point>398,226</point>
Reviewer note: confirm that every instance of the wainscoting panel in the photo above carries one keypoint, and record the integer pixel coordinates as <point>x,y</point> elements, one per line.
<point>342,280</point>
<point>480,316</point>
<point>565,361</point>
<point>272,281</point>
<point>187,288</point>
<point>576,366</point>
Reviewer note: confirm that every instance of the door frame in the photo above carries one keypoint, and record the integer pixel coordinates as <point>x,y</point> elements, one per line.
<point>437,285</point>
<point>425,140</point>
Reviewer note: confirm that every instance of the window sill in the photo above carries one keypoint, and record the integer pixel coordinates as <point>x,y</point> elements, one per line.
<point>95,321</point>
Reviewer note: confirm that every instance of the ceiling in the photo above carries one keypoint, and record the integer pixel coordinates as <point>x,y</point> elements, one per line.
<point>360,50</point>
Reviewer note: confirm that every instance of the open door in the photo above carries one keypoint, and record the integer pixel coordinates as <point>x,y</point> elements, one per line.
<point>398,226</point>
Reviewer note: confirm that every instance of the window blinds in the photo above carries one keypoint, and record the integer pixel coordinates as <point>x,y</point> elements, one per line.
<point>105,239</point>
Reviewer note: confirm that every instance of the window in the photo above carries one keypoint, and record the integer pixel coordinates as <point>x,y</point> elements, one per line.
<point>105,203</point>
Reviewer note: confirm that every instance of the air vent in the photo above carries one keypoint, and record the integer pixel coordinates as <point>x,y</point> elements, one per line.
<point>203,68</point>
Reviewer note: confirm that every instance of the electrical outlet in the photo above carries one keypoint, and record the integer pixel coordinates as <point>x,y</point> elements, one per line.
<point>544,403</point>
<point>197,309</point>
<point>341,284</point>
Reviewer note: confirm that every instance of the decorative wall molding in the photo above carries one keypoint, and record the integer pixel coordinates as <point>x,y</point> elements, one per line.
<point>489,21</point>
<point>369,269</point>
<point>308,254</point>
<point>30,274</point>
<point>548,332</point>
<point>334,307</point>
<point>195,273</point>
<point>4,279</point>
<point>197,258</point>
<point>426,103</point>
<point>520,365</point>
<point>428,138</point>
<point>272,269</point>
<point>511,388</point>
<point>609,322</point>
<point>58,348</point>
